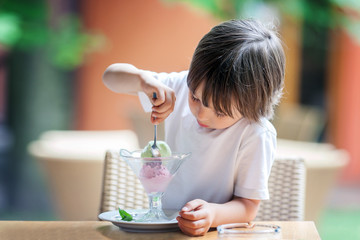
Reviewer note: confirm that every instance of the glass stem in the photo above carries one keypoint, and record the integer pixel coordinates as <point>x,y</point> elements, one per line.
<point>155,202</point>
<point>155,213</point>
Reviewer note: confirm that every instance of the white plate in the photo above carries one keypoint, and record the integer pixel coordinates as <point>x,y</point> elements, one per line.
<point>114,217</point>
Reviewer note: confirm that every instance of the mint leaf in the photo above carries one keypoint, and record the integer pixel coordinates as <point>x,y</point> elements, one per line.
<point>125,215</point>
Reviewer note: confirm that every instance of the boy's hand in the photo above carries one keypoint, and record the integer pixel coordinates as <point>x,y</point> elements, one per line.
<point>164,104</point>
<point>196,217</point>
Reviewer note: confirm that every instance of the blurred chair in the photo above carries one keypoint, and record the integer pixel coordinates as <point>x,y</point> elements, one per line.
<point>299,122</point>
<point>286,185</point>
<point>324,164</point>
<point>120,187</point>
<point>287,191</point>
<point>72,162</point>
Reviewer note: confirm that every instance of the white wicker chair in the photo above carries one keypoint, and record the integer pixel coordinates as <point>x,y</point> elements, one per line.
<point>120,186</point>
<point>287,191</point>
<point>286,187</point>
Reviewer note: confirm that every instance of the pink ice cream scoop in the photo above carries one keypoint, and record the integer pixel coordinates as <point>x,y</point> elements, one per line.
<point>154,177</point>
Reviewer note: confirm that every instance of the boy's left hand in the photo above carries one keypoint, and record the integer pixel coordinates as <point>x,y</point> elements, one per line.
<point>196,217</point>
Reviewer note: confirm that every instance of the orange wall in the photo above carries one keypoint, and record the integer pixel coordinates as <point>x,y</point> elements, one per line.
<point>291,36</point>
<point>147,33</point>
<point>344,101</point>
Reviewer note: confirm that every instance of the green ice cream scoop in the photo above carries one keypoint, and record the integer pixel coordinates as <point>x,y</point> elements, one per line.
<point>165,150</point>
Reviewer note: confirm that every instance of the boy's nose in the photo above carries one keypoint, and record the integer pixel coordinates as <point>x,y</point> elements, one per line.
<point>201,113</point>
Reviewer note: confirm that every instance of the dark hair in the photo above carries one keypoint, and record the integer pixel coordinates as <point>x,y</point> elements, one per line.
<point>241,62</point>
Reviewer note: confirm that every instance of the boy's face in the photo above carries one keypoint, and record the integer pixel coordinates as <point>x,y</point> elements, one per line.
<point>206,116</point>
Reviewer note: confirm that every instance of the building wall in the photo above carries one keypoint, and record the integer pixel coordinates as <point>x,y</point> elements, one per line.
<point>344,101</point>
<point>147,33</point>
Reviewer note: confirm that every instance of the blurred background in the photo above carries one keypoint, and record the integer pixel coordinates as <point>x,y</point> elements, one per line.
<point>53,54</point>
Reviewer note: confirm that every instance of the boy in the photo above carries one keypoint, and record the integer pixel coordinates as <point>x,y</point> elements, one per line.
<point>218,111</point>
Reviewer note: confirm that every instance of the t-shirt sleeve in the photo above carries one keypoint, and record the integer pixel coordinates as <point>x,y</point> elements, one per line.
<point>255,160</point>
<point>173,80</point>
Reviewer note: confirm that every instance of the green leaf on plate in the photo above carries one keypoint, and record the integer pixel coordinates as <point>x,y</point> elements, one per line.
<point>125,215</point>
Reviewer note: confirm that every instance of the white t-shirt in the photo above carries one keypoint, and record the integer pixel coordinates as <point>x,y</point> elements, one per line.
<point>223,163</point>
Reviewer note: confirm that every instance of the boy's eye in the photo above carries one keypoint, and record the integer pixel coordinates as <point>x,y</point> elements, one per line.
<point>219,115</point>
<point>194,98</point>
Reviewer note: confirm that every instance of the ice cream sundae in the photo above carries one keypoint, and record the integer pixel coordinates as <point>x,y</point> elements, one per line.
<point>153,175</point>
<point>165,150</point>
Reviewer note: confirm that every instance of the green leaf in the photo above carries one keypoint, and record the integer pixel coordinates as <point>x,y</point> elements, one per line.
<point>125,215</point>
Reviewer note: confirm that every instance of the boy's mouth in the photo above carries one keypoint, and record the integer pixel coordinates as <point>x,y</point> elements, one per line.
<point>202,125</point>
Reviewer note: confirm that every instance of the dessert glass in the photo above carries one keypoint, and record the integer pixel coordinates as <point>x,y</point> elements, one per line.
<point>155,174</point>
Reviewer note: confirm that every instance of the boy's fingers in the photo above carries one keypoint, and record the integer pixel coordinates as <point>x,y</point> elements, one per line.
<point>163,104</point>
<point>164,110</point>
<point>160,97</point>
<point>192,231</point>
<point>156,120</point>
<point>166,106</point>
<point>191,224</point>
<point>160,115</point>
<point>192,205</point>
<point>193,215</point>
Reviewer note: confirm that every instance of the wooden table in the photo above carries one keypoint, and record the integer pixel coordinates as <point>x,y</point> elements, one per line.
<point>105,230</point>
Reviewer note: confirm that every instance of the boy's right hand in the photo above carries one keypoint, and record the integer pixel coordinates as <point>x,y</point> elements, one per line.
<point>126,78</point>
<point>164,104</point>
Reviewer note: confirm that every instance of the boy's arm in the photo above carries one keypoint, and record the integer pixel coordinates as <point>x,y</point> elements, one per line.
<point>197,216</point>
<point>123,78</point>
<point>126,78</point>
<point>237,210</point>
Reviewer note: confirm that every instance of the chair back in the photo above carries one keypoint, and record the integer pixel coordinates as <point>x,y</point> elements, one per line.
<point>121,188</point>
<point>287,191</point>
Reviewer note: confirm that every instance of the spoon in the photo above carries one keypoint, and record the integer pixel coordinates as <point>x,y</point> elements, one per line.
<point>154,149</point>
